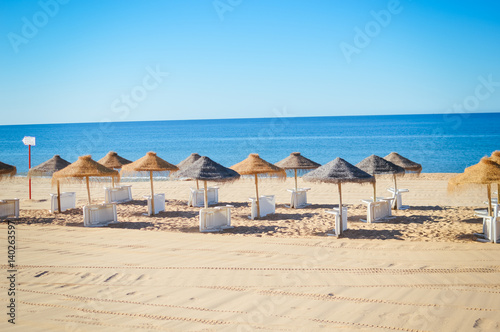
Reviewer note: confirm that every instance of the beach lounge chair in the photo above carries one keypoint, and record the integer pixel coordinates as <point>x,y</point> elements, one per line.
<point>398,202</point>
<point>215,219</point>
<point>159,203</point>
<point>491,225</point>
<point>335,212</point>
<point>267,205</point>
<point>118,194</point>
<point>98,215</point>
<point>378,211</point>
<point>299,198</point>
<point>9,208</point>
<point>68,201</point>
<point>196,196</point>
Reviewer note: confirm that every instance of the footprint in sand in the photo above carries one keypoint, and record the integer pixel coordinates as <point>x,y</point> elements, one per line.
<point>485,324</point>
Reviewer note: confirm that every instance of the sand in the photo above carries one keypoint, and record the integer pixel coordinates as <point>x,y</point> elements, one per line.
<point>421,271</point>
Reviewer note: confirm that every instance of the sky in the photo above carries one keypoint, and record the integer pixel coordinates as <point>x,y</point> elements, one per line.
<point>68,61</point>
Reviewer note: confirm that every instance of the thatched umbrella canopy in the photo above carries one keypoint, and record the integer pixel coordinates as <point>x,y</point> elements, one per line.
<point>7,170</point>
<point>206,169</point>
<point>407,164</point>
<point>254,165</point>
<point>376,165</point>
<point>149,163</point>
<point>114,161</point>
<point>495,156</point>
<point>296,162</point>
<point>84,169</point>
<point>339,171</point>
<point>188,162</point>
<point>48,168</point>
<point>485,172</point>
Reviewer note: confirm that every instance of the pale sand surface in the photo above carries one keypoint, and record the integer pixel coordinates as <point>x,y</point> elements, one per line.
<point>88,279</point>
<point>421,271</point>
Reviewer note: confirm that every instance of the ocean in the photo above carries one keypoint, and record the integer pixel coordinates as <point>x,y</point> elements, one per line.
<point>442,143</point>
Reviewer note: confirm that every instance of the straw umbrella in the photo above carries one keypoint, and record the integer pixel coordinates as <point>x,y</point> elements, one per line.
<point>407,164</point>
<point>485,172</point>
<point>149,163</point>
<point>339,171</point>
<point>7,170</point>
<point>495,156</point>
<point>188,162</point>
<point>256,166</point>
<point>375,165</point>
<point>84,168</point>
<point>206,169</point>
<point>296,162</point>
<point>48,168</point>
<point>114,161</point>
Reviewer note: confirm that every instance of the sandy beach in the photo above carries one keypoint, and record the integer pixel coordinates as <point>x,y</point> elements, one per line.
<point>420,271</point>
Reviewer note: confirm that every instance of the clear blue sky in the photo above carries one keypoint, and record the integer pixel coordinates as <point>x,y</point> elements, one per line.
<point>243,58</point>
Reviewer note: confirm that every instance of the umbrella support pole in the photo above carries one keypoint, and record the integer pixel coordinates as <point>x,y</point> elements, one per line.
<point>206,194</point>
<point>339,231</point>
<point>152,193</point>
<point>489,200</point>
<point>395,203</point>
<point>112,182</point>
<point>197,184</point>
<point>295,171</point>
<point>374,191</point>
<point>257,193</point>
<point>58,197</point>
<point>88,188</point>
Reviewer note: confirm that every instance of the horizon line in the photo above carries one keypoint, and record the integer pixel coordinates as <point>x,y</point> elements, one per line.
<point>243,118</point>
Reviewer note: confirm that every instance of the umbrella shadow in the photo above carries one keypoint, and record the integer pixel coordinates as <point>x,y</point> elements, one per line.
<point>257,229</point>
<point>372,234</point>
<point>132,224</point>
<point>288,216</point>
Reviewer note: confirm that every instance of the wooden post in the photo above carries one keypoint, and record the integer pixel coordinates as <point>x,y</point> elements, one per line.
<point>206,194</point>
<point>152,193</point>
<point>339,231</point>
<point>395,203</point>
<point>295,179</point>
<point>257,193</point>
<point>88,188</point>
<point>112,182</point>
<point>197,184</point>
<point>374,191</point>
<point>58,197</point>
<point>29,167</point>
<point>489,200</point>
<point>498,193</point>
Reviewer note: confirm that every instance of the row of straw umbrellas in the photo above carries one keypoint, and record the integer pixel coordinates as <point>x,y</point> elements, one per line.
<point>203,168</point>
<point>338,171</point>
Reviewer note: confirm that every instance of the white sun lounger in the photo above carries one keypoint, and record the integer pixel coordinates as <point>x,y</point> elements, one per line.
<point>98,215</point>
<point>378,211</point>
<point>159,203</point>
<point>197,196</point>
<point>215,219</point>
<point>9,208</point>
<point>398,201</point>
<point>491,225</point>
<point>335,212</point>
<point>267,206</point>
<point>118,194</point>
<point>299,198</point>
<point>68,201</point>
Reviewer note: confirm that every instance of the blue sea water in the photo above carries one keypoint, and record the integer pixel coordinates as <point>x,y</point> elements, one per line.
<point>440,142</point>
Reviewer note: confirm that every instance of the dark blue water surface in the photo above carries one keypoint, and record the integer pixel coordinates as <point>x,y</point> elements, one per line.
<point>440,142</point>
